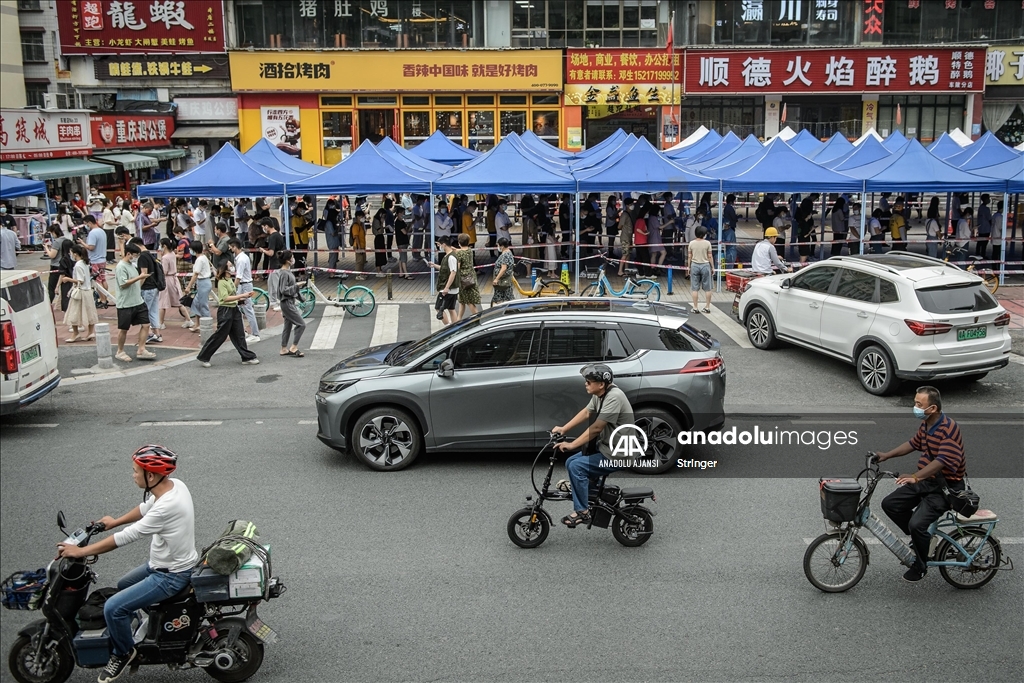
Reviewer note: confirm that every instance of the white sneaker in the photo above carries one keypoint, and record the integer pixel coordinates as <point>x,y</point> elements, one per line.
<point>188,326</point>
<point>251,339</point>
<point>275,307</point>
<point>254,361</point>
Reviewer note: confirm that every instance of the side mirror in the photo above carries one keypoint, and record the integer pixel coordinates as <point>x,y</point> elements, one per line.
<point>446,369</point>
<point>787,283</point>
<point>61,522</point>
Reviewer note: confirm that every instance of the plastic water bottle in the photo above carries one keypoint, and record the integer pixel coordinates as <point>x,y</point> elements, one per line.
<point>891,541</point>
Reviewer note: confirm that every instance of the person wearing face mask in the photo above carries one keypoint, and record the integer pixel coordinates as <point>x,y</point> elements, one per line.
<point>919,500</point>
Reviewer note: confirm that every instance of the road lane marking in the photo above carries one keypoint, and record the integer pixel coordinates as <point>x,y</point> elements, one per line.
<point>729,326</point>
<point>835,422</point>
<point>1015,423</point>
<point>435,324</point>
<point>307,422</point>
<point>329,329</point>
<point>385,325</point>
<point>183,423</point>
<point>36,425</point>
<point>1012,540</point>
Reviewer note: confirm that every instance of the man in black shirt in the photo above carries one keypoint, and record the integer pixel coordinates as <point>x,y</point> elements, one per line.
<point>275,245</point>
<point>150,294</point>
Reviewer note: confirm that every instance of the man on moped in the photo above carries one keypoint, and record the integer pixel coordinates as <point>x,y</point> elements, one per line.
<point>919,501</point>
<point>608,408</point>
<point>167,516</point>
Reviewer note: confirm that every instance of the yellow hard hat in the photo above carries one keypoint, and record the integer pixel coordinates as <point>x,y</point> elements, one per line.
<point>771,232</point>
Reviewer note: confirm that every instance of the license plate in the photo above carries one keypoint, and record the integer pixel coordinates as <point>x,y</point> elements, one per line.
<point>30,354</point>
<point>968,333</point>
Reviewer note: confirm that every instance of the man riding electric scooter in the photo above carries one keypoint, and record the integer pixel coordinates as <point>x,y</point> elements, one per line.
<point>608,409</point>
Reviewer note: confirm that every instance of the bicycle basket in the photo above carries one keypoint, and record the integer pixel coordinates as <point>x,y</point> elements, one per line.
<point>23,590</point>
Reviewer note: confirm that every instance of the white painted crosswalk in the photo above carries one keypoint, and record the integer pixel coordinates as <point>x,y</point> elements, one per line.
<point>328,330</point>
<point>435,324</point>
<point>385,325</point>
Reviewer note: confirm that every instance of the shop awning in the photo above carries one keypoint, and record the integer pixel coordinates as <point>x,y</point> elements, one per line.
<point>226,132</point>
<point>164,154</point>
<point>131,162</point>
<point>48,169</point>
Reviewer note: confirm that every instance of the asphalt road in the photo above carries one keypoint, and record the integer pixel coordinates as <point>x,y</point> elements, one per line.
<point>410,575</point>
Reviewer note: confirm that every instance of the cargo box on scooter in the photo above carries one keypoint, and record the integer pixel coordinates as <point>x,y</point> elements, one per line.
<point>242,585</point>
<point>839,498</point>
<point>92,648</point>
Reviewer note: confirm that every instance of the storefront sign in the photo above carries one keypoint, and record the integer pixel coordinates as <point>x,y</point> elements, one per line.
<point>281,128</point>
<point>1005,65</point>
<point>207,109</point>
<point>400,71</point>
<point>120,131</point>
<point>597,77</point>
<point>870,114</point>
<point>103,27</point>
<point>871,24</point>
<point>161,66</point>
<point>834,70</point>
<point>27,134</point>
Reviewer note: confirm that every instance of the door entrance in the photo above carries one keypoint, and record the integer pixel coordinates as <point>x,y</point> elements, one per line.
<point>376,124</point>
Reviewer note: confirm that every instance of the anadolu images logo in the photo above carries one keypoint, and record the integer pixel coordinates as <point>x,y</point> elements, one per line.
<point>628,442</point>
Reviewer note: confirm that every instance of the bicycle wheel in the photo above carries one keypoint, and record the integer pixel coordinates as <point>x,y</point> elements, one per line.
<point>822,563</point>
<point>306,302</point>
<point>260,296</point>
<point>362,300</point>
<point>649,288</point>
<point>554,289</point>
<point>594,289</point>
<point>984,567</point>
<point>991,281</point>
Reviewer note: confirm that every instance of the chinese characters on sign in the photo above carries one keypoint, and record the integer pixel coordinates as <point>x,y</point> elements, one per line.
<point>622,77</point>
<point>127,130</point>
<point>207,109</point>
<point>293,70</point>
<point>160,66</point>
<point>26,135</point>
<point>1004,65</point>
<point>130,26</point>
<point>872,26</point>
<point>281,128</point>
<point>835,70</point>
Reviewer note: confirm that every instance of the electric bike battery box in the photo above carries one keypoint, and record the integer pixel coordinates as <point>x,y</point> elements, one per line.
<point>242,585</point>
<point>839,499</point>
<point>92,648</point>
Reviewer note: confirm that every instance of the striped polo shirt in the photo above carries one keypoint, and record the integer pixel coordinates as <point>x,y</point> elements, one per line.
<point>941,442</point>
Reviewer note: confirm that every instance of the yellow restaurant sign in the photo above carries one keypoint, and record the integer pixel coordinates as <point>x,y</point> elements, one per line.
<point>629,94</point>
<point>399,71</point>
<point>1004,65</point>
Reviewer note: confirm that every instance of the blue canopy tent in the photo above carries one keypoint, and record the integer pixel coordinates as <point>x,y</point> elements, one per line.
<point>392,149</point>
<point>604,156</point>
<point>704,144</point>
<point>545,149</point>
<point>750,147</point>
<point>642,168</point>
<point>267,154</point>
<point>835,147</point>
<point>366,171</point>
<point>869,151</point>
<point>729,142</point>
<point>225,174</point>
<point>610,142</point>
<point>13,186</point>
<point>763,172</point>
<point>442,150</point>
<point>806,143</point>
<point>915,169</point>
<point>506,169</point>
<point>1011,171</point>
<point>945,146</point>
<point>894,141</point>
<point>538,154</point>
<point>986,151</point>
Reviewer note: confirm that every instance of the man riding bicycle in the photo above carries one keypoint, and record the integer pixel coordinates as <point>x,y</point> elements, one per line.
<point>608,408</point>
<point>920,501</point>
<point>167,516</point>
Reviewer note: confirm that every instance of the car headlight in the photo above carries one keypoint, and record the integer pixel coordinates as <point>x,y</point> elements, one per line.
<point>333,387</point>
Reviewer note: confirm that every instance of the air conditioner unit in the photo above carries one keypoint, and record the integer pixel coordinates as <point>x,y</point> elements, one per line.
<point>177,165</point>
<point>49,100</point>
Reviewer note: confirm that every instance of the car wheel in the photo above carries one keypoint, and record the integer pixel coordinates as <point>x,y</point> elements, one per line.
<point>761,329</point>
<point>662,429</point>
<point>386,439</point>
<point>876,371</point>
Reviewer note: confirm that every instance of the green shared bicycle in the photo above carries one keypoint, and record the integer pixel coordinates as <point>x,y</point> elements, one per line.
<point>357,300</point>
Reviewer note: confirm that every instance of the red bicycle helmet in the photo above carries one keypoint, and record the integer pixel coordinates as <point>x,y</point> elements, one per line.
<point>156,459</point>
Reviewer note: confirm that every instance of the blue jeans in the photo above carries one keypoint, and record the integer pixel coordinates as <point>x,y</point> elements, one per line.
<point>582,470</point>
<point>729,237</point>
<point>139,588</point>
<point>152,299</point>
<point>245,305</point>
<point>333,244</point>
<point>201,302</point>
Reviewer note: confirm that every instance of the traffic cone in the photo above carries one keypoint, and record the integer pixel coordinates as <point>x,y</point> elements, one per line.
<point>565,276</point>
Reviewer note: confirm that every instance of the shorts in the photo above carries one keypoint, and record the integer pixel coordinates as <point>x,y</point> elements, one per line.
<point>99,273</point>
<point>446,302</point>
<point>804,249</point>
<point>700,277</point>
<point>136,315</point>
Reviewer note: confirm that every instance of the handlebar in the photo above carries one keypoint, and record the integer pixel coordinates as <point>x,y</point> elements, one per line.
<point>871,465</point>
<point>555,437</point>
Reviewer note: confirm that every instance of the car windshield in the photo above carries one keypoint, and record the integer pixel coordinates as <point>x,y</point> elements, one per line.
<point>956,298</point>
<point>436,340</point>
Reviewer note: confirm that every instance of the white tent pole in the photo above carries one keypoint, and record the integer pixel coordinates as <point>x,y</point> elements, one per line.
<point>863,213</point>
<point>721,224</point>
<point>1002,239</point>
<point>576,210</point>
<point>433,242</point>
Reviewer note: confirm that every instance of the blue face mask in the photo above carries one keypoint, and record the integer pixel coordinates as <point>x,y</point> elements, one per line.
<point>919,413</point>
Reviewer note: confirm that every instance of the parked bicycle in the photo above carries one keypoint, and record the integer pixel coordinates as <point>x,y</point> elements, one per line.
<point>631,289</point>
<point>357,300</point>
<point>543,287</point>
<point>964,549</point>
<point>962,254</point>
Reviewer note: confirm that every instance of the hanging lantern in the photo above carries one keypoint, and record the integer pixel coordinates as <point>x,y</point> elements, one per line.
<point>899,115</point>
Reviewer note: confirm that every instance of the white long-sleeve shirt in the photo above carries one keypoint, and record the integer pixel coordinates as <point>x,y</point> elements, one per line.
<point>171,521</point>
<point>764,256</point>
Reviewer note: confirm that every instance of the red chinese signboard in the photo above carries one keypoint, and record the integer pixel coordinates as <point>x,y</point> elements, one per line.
<point>95,27</point>
<point>622,66</point>
<point>120,131</point>
<point>27,134</point>
<point>835,70</point>
<point>874,10</point>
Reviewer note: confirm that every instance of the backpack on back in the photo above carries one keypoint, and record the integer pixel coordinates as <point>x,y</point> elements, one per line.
<point>158,275</point>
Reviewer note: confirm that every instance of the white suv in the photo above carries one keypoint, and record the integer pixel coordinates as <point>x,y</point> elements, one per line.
<point>894,316</point>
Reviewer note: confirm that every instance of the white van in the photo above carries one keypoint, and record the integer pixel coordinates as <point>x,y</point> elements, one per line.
<point>28,341</point>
